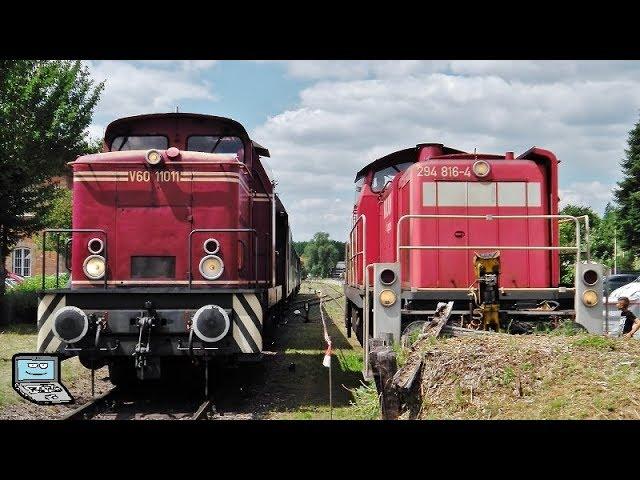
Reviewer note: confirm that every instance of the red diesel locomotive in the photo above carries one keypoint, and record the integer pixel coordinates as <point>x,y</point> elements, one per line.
<point>433,224</point>
<point>179,249</point>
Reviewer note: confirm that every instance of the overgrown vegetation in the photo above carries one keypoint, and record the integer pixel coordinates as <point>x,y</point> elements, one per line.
<point>365,404</point>
<point>537,376</point>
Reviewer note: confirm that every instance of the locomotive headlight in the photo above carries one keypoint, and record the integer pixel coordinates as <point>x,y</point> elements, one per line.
<point>590,298</point>
<point>211,246</point>
<point>481,168</point>
<point>211,267</point>
<point>95,246</point>
<point>153,157</point>
<point>387,298</point>
<point>94,267</point>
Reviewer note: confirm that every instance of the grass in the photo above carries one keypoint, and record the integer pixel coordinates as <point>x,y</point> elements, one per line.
<point>579,376</point>
<point>365,404</point>
<point>297,377</point>
<point>13,339</point>
<point>596,342</point>
<point>22,338</point>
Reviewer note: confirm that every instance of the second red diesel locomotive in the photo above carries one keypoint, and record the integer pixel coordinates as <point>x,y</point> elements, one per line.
<point>180,249</point>
<point>434,224</point>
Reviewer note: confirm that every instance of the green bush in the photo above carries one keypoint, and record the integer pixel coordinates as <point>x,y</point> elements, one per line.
<point>33,284</point>
<point>21,302</point>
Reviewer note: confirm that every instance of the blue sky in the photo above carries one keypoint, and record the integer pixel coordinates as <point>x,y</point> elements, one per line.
<point>324,120</point>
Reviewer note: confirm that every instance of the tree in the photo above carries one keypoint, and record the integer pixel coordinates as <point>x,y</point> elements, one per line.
<point>627,194</point>
<point>568,238</point>
<point>299,247</point>
<point>45,109</point>
<point>321,255</point>
<point>601,240</point>
<point>57,216</point>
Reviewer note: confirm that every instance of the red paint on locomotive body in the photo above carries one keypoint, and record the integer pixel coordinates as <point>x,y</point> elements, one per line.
<point>436,180</point>
<point>148,211</point>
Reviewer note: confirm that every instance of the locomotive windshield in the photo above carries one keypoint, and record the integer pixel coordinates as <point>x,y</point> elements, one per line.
<point>381,177</point>
<point>214,144</point>
<point>140,142</point>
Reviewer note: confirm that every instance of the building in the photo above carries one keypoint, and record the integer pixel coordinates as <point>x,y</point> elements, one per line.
<point>26,257</point>
<point>338,270</point>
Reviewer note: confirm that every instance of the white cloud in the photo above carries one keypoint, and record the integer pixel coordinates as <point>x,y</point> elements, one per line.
<point>148,87</point>
<point>355,112</point>
<point>96,131</point>
<point>595,194</point>
<point>529,71</point>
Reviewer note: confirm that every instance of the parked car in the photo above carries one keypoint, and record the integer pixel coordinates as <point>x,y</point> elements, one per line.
<point>613,282</point>
<point>612,319</point>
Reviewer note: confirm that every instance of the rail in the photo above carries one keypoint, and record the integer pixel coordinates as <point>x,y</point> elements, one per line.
<point>72,231</point>
<point>224,230</point>
<point>585,218</point>
<point>365,319</point>
<point>400,247</point>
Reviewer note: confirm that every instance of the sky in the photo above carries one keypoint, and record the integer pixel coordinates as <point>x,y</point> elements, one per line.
<point>323,120</point>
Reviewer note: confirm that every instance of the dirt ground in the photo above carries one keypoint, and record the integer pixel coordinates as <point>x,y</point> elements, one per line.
<point>290,383</point>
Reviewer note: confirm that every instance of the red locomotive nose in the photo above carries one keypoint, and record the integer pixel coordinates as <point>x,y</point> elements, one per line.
<point>173,153</point>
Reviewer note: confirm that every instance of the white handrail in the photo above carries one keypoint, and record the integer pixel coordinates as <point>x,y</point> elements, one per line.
<point>487,218</point>
<point>363,252</point>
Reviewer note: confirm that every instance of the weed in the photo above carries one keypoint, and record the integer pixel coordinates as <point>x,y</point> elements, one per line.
<point>508,376</point>
<point>365,404</point>
<point>595,341</point>
<point>351,361</point>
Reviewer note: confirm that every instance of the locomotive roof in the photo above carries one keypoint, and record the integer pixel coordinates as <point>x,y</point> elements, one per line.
<point>123,125</point>
<point>401,156</point>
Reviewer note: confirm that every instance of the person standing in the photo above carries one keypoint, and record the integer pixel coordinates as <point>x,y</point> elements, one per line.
<point>631,322</point>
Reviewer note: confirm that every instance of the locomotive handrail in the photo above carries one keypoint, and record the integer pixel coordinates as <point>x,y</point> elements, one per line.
<point>365,319</point>
<point>363,252</point>
<point>224,230</point>
<point>487,218</point>
<point>586,233</point>
<point>69,230</point>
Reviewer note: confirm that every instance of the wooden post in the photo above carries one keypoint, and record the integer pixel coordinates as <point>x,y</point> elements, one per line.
<point>384,366</point>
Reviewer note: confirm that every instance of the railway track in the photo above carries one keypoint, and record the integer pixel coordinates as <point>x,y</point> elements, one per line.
<point>119,404</point>
<point>335,287</point>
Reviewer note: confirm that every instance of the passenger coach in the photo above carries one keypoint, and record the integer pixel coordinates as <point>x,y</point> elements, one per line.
<point>180,249</point>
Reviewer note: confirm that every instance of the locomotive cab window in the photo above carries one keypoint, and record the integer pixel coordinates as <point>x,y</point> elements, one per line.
<point>215,144</point>
<point>359,183</point>
<point>385,175</point>
<point>140,142</point>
